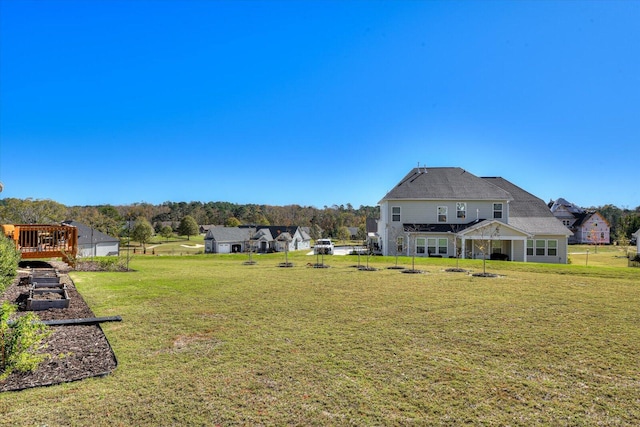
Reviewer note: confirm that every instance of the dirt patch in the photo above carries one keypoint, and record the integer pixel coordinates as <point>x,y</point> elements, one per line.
<point>77,352</point>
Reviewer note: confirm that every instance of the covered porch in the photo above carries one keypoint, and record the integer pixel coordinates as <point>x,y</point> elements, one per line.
<point>495,240</point>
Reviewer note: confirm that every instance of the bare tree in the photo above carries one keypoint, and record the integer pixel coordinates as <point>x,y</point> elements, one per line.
<point>484,243</point>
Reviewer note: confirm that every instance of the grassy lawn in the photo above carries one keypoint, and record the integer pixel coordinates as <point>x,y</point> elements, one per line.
<point>207,340</point>
<point>172,246</point>
<point>604,256</point>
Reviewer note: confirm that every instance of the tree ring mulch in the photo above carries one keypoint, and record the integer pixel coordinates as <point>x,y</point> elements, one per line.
<point>396,267</point>
<point>317,265</point>
<point>456,270</point>
<point>485,275</point>
<point>411,271</point>
<point>285,264</point>
<point>77,352</point>
<point>364,268</point>
<point>250,263</point>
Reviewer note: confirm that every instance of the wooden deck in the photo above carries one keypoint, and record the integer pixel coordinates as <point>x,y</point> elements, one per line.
<point>35,241</point>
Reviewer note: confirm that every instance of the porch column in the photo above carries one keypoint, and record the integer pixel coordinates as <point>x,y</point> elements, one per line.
<point>511,243</point>
<point>463,248</point>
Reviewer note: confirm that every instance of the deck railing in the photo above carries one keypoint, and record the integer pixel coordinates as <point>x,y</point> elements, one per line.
<point>44,240</point>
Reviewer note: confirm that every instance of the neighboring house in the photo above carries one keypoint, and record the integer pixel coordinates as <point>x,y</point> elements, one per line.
<point>637,236</point>
<point>446,212</point>
<point>297,237</point>
<point>587,227</point>
<point>226,240</point>
<point>92,242</point>
<point>262,238</point>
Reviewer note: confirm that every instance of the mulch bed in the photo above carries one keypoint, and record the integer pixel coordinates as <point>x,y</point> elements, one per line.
<point>77,352</point>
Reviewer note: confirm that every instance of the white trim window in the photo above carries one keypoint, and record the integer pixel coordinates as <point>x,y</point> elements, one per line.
<point>420,245</point>
<point>461,210</point>
<point>541,247</point>
<point>442,214</point>
<point>437,246</point>
<point>497,210</point>
<point>399,245</point>
<point>395,213</point>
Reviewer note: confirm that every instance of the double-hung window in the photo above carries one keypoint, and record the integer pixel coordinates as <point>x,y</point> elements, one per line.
<point>437,246</point>
<point>431,246</point>
<point>542,247</point>
<point>461,210</point>
<point>497,210</point>
<point>442,214</point>
<point>400,245</point>
<point>420,245</point>
<point>395,213</point>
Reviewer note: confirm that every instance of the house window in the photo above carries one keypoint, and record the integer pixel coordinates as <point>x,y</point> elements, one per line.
<point>530,247</point>
<point>437,246</point>
<point>497,210</point>
<point>400,245</point>
<point>461,210</point>
<point>443,244</point>
<point>552,247</point>
<point>395,213</point>
<point>420,245</point>
<point>442,214</point>
<point>431,246</point>
<point>540,247</point>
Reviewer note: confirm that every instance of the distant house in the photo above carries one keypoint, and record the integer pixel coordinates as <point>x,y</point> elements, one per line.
<point>92,242</point>
<point>587,227</point>
<point>261,238</point>
<point>637,236</point>
<point>447,212</point>
<point>269,238</point>
<point>226,240</point>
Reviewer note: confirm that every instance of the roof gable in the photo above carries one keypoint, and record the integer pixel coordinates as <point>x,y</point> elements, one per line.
<point>528,212</point>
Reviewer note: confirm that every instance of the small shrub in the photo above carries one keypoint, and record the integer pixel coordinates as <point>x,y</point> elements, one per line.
<point>19,341</point>
<point>9,259</point>
<point>112,263</point>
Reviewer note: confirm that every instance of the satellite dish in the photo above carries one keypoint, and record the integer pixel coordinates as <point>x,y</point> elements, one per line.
<point>1,187</point>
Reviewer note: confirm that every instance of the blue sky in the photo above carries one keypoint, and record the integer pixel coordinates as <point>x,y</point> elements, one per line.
<point>315,103</point>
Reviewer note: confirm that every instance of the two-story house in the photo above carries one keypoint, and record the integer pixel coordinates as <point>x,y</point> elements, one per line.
<point>587,226</point>
<point>448,212</point>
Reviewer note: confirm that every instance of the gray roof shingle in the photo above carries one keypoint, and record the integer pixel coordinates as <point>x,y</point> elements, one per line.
<point>528,212</point>
<point>445,184</point>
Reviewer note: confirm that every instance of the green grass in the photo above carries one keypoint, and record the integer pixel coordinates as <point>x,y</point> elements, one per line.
<point>600,256</point>
<point>161,246</point>
<point>206,340</point>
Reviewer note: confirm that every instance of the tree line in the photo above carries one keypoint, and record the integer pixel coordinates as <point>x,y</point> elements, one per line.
<point>332,220</point>
<point>112,220</point>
